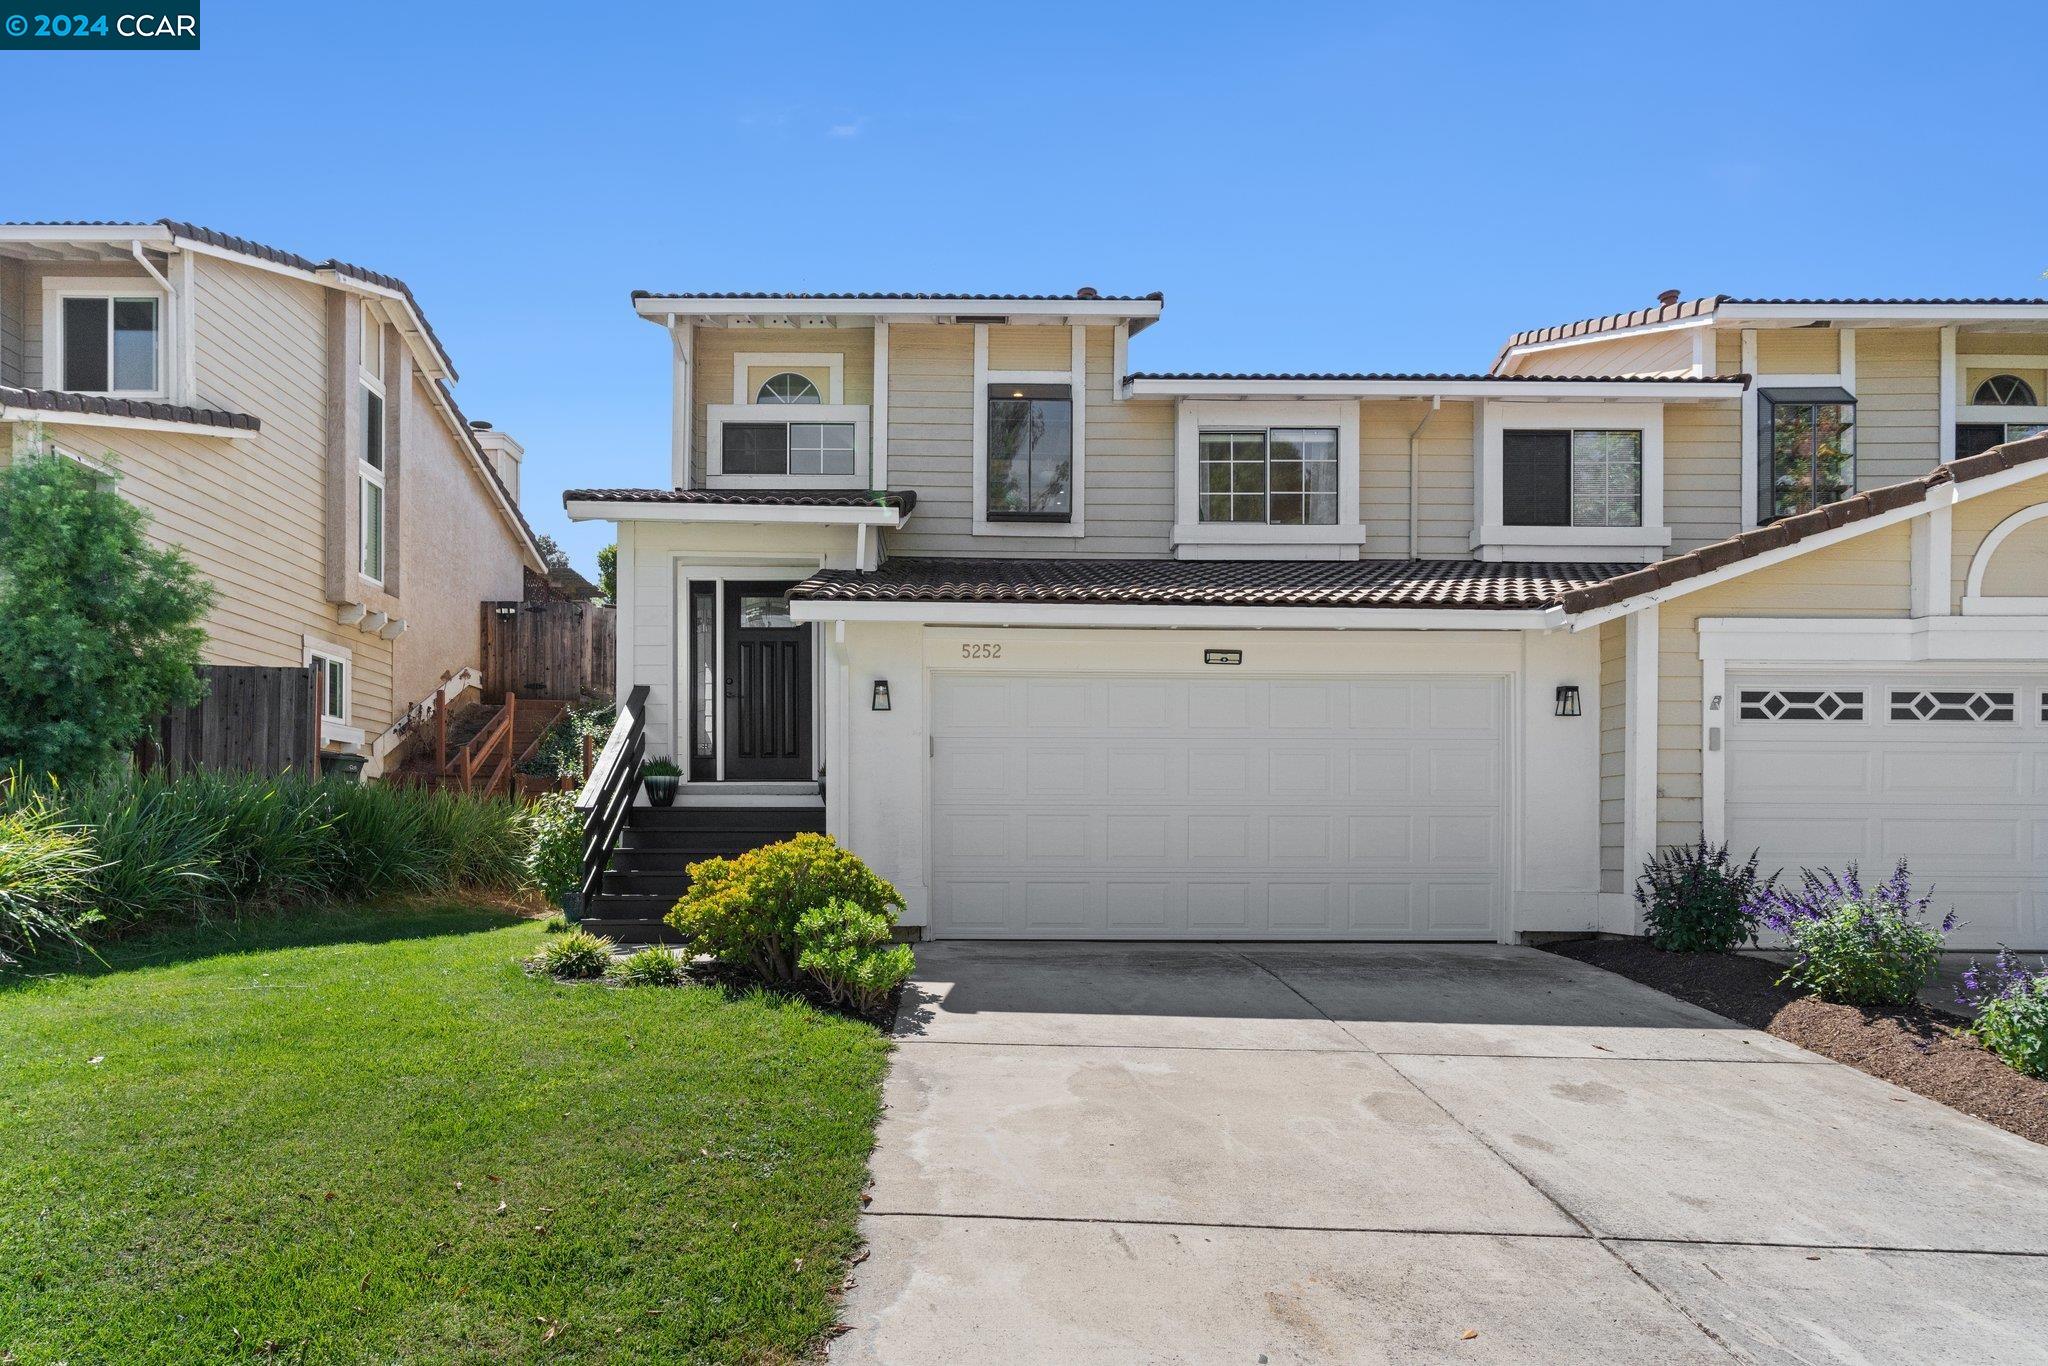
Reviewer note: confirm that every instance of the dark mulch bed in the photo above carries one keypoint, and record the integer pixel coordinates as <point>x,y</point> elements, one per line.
<point>1910,1046</point>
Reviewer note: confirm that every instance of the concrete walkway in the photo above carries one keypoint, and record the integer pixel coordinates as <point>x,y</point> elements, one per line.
<point>1316,1153</point>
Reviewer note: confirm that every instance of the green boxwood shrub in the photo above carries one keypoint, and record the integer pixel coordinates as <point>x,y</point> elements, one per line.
<point>2012,1011</point>
<point>845,949</point>
<point>745,910</point>
<point>1853,944</point>
<point>1698,899</point>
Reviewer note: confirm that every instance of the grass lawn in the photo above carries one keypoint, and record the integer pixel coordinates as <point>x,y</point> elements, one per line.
<point>368,1136</point>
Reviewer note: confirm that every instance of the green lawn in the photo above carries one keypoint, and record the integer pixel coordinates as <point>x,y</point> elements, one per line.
<point>368,1136</point>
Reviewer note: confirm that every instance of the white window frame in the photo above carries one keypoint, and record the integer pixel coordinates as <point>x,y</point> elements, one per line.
<point>336,730</point>
<point>1842,377</point>
<point>369,476</point>
<point>717,415</point>
<point>1194,538</point>
<point>832,362</point>
<point>1075,377</point>
<point>58,288</point>
<point>2015,415</point>
<point>1493,539</point>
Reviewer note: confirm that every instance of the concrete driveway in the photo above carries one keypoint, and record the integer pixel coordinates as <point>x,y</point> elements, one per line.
<point>1312,1153</point>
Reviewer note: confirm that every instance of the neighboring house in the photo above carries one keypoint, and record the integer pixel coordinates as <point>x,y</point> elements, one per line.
<point>1082,651</point>
<point>288,425</point>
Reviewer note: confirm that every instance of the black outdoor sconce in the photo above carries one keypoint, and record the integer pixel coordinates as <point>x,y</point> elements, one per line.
<point>881,697</point>
<point>1567,699</point>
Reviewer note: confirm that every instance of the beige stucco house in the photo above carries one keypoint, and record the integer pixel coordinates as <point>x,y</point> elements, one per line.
<point>289,424</point>
<point>1070,649</point>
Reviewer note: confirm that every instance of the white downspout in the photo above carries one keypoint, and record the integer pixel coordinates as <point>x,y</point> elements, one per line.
<point>1436,403</point>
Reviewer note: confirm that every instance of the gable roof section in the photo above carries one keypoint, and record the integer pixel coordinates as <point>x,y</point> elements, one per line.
<point>1862,512</point>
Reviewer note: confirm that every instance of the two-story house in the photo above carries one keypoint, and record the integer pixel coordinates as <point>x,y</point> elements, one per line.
<point>289,425</point>
<point>1071,650</point>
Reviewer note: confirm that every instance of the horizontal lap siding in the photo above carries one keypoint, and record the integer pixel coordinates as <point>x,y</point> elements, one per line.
<point>1898,405</point>
<point>1868,576</point>
<point>1663,353</point>
<point>1702,472</point>
<point>1976,519</point>
<point>1444,478</point>
<point>1039,347</point>
<point>1798,351</point>
<point>714,348</point>
<point>1128,471</point>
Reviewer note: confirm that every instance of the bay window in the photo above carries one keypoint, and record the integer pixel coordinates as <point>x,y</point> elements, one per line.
<point>1030,453</point>
<point>1806,450</point>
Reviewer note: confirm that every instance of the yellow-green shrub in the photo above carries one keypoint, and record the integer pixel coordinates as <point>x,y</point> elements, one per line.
<point>745,910</point>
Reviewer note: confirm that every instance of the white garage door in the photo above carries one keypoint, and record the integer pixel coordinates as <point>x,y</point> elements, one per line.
<point>1948,771</point>
<point>1218,807</point>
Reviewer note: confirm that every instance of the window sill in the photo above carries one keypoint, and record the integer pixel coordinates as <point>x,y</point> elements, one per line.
<point>1066,531</point>
<point>1261,533</point>
<point>1571,542</point>
<point>335,733</point>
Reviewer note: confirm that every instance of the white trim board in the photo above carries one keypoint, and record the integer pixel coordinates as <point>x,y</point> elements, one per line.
<point>1975,603</point>
<point>1076,378</point>
<point>832,362</point>
<point>1494,540</point>
<point>583,510</point>
<point>1205,539</point>
<point>1561,387</point>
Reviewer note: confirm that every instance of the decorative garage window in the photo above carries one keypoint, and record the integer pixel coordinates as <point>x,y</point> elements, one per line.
<point>1942,705</point>
<point>1801,704</point>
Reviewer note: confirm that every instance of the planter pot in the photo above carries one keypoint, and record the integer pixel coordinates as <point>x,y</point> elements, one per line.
<point>661,791</point>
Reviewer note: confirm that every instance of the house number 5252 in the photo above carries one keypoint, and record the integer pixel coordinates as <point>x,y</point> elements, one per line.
<point>981,649</point>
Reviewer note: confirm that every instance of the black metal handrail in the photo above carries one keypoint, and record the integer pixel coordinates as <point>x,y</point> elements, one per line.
<point>607,795</point>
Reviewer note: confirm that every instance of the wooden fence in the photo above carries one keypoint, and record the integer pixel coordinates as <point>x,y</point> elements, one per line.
<point>252,720</point>
<point>564,650</point>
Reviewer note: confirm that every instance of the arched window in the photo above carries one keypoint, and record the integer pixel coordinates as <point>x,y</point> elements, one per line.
<point>789,387</point>
<point>2005,391</point>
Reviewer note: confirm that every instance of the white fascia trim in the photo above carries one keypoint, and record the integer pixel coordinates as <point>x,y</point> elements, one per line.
<point>151,234</point>
<point>1140,313</point>
<point>1190,618</point>
<point>583,510</point>
<point>1872,640</point>
<point>1942,496</point>
<point>1649,390</point>
<point>45,418</point>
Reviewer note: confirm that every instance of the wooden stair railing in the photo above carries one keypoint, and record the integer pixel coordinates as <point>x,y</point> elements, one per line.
<point>488,755</point>
<point>607,796</point>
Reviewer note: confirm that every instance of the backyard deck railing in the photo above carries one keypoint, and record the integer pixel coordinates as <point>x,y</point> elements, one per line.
<point>607,795</point>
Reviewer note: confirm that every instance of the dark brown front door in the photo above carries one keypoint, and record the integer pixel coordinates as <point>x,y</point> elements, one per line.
<point>767,686</point>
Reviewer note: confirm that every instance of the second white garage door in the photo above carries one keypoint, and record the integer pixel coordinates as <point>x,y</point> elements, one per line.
<point>1218,808</point>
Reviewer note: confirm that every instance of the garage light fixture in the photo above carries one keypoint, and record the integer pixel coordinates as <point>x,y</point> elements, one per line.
<point>1567,699</point>
<point>880,701</point>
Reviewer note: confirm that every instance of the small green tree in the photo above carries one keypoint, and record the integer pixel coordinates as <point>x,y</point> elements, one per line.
<point>608,572</point>
<point>99,630</point>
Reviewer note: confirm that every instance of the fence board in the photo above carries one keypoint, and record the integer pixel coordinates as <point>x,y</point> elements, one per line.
<point>565,650</point>
<point>252,720</point>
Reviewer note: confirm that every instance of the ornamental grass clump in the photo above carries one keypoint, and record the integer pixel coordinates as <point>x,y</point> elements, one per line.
<point>1699,900</point>
<point>46,870</point>
<point>577,955</point>
<point>2011,1002</point>
<point>652,966</point>
<point>1856,945</point>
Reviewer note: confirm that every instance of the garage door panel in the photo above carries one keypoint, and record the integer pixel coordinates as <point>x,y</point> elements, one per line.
<point>1288,808</point>
<point>974,704</point>
<point>1964,802</point>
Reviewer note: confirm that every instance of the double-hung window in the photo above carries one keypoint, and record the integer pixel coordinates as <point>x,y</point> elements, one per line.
<point>1275,476</point>
<point>1030,453</point>
<point>112,344</point>
<point>1572,478</point>
<point>370,455</point>
<point>1806,450</point>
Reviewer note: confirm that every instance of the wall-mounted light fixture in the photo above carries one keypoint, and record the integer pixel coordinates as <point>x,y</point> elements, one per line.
<point>506,609</point>
<point>881,696</point>
<point>1567,699</point>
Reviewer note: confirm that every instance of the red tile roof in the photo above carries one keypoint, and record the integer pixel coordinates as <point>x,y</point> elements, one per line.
<point>1792,530</point>
<point>1154,297</point>
<point>1469,584</point>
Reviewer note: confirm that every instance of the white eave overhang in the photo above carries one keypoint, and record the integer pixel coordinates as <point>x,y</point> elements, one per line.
<point>1667,391</point>
<point>844,311</point>
<point>1133,615</point>
<point>634,510</point>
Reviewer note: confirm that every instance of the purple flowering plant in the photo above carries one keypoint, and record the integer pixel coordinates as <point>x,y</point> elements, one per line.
<point>1854,943</point>
<point>2011,1001</point>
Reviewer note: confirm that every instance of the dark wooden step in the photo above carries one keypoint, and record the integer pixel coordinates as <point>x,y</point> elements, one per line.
<point>664,883</point>
<point>789,819</point>
<point>662,858</point>
<point>649,908</point>
<point>697,844</point>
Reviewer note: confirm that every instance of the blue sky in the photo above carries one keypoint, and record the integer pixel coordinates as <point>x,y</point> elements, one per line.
<point>1313,187</point>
